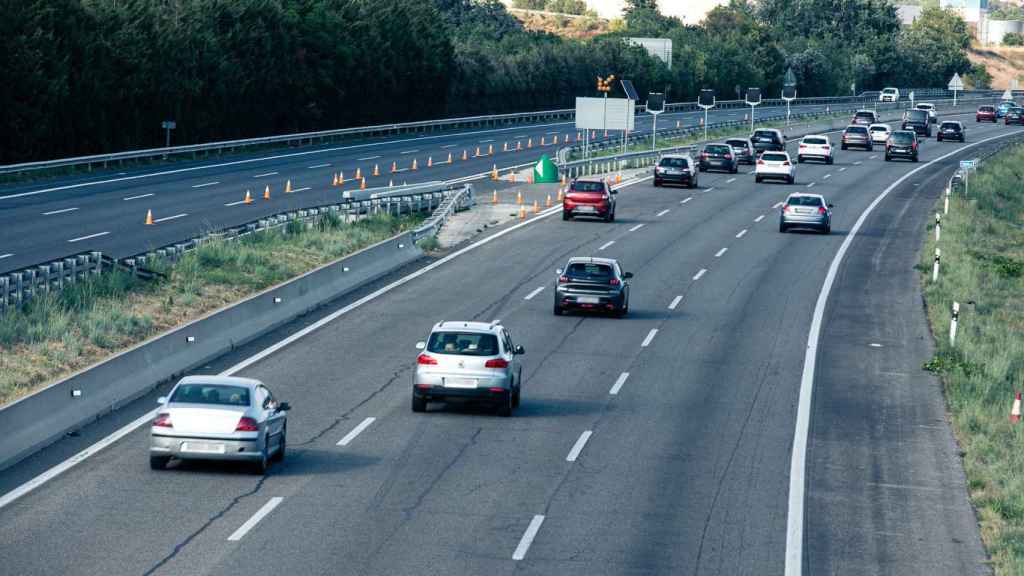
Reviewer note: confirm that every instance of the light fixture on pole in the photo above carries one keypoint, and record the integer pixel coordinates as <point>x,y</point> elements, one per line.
<point>788,91</point>
<point>655,106</point>
<point>706,100</point>
<point>753,99</point>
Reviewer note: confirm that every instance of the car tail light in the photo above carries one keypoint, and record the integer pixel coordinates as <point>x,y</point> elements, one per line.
<point>821,209</point>
<point>785,207</point>
<point>728,156</point>
<point>826,147</point>
<point>703,154</point>
<point>496,363</point>
<point>163,421</point>
<point>496,390</point>
<point>914,145</point>
<point>785,163</point>
<point>760,162</point>
<point>426,359</point>
<point>614,282</point>
<point>246,424</point>
<point>563,279</point>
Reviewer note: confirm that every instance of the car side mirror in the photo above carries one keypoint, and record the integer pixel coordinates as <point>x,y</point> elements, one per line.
<point>519,350</point>
<point>627,275</point>
<point>421,345</point>
<point>161,400</point>
<point>284,407</point>
<point>831,205</point>
<point>558,271</point>
<point>614,191</point>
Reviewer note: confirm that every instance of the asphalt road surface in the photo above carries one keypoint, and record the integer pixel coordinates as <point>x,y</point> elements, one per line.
<point>655,444</point>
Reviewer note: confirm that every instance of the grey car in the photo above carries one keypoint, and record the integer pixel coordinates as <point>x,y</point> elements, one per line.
<point>806,211</point>
<point>468,361</point>
<point>743,148</point>
<point>592,284</point>
<point>219,418</point>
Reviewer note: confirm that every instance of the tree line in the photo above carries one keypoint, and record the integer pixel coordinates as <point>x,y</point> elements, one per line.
<point>94,76</point>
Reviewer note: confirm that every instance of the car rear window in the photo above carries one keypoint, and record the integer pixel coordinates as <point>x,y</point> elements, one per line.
<point>588,271</point>
<point>950,125</point>
<point>917,115</point>
<point>737,143</point>
<point>987,109</point>
<point>584,186</point>
<point>804,201</point>
<point>215,394</point>
<point>857,130</point>
<point>815,140</point>
<point>878,128</point>
<point>673,162</point>
<point>865,115</point>
<point>902,138</point>
<point>717,149</point>
<point>924,106</point>
<point>463,343</point>
<point>773,157</point>
<point>764,134</point>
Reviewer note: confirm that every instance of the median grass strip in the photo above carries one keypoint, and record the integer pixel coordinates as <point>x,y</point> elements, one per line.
<point>982,268</point>
<point>62,332</point>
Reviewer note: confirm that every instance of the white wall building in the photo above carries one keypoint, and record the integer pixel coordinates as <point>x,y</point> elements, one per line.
<point>970,10</point>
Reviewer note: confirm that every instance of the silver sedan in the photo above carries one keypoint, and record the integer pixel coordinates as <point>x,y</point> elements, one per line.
<point>806,211</point>
<point>219,418</point>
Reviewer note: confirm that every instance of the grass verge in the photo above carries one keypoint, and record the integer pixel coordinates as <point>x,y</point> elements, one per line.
<point>62,332</point>
<point>982,268</point>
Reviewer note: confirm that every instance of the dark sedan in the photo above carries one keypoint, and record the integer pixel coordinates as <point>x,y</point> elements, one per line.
<point>718,157</point>
<point>1014,116</point>
<point>901,144</point>
<point>951,130</point>
<point>592,284</point>
<point>768,139</point>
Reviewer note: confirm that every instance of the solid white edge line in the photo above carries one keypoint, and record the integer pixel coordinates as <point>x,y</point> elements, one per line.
<point>536,291</point>
<point>618,383</point>
<point>265,175</point>
<point>528,536</point>
<point>741,233</point>
<point>650,337</point>
<point>409,151</point>
<point>798,461</point>
<point>166,218</point>
<point>315,166</point>
<point>698,275</point>
<point>606,244</point>
<point>235,203</point>
<point>675,302</point>
<point>720,252</point>
<point>367,158</point>
<point>356,431</point>
<point>301,189</point>
<point>637,227</point>
<point>581,442</point>
<point>252,522</point>
<point>730,180</point>
<point>685,200</point>
<point>89,237</point>
<point>204,185</point>
<point>139,196</point>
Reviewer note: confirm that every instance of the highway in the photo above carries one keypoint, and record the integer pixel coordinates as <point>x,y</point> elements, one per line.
<point>656,444</point>
<point>106,211</point>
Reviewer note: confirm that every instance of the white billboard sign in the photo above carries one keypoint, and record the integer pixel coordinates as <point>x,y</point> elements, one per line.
<point>605,113</point>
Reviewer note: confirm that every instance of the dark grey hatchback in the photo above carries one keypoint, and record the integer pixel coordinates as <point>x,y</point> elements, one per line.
<point>592,284</point>
<point>719,157</point>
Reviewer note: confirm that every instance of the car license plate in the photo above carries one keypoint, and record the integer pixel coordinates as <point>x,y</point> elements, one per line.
<point>202,447</point>
<point>460,383</point>
<point>588,299</point>
<point>585,209</point>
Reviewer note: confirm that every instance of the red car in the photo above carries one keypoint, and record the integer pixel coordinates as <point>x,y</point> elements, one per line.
<point>589,198</point>
<point>985,113</point>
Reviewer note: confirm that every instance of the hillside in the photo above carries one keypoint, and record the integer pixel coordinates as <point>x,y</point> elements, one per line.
<point>564,25</point>
<point>1003,63</point>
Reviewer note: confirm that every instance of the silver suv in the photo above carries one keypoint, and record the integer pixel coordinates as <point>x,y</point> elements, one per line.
<point>468,361</point>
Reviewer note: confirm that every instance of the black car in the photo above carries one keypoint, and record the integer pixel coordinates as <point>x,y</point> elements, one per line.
<point>768,139</point>
<point>743,148</point>
<point>592,284</point>
<point>917,120</point>
<point>675,170</point>
<point>951,130</point>
<point>718,157</point>
<point>1014,116</point>
<point>901,144</point>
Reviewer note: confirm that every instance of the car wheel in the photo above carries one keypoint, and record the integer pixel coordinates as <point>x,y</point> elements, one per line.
<point>782,227</point>
<point>757,179</point>
<point>693,184</point>
<point>279,455</point>
<point>700,168</point>
<point>657,183</point>
<point>735,168</point>
<point>515,397</point>
<point>558,310</point>
<point>799,159</point>
<point>790,180</point>
<point>419,404</point>
<point>159,462</point>
<point>566,215</point>
<point>505,405</point>
<point>888,158</point>
<point>915,158</point>
<point>261,465</point>
<point>827,230</point>
<point>842,146</point>
<point>829,160</point>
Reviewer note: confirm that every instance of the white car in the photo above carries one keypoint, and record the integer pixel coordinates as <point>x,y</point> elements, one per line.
<point>930,108</point>
<point>880,133</point>
<point>816,146</point>
<point>775,165</point>
<point>889,95</point>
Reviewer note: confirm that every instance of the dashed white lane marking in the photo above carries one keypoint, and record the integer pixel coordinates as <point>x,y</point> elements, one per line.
<point>139,196</point>
<point>663,212</point>
<point>486,141</point>
<point>687,199</point>
<point>720,252</point>
<point>675,302</point>
<point>166,218</point>
<point>618,383</point>
<point>528,536</point>
<point>265,174</point>
<point>2,256</point>
<point>235,203</point>
<point>649,338</point>
<point>205,184</point>
<point>702,272</point>
<point>637,227</point>
<point>858,163</point>
<point>843,169</point>
<point>875,345</point>
<point>811,185</point>
<point>446,146</point>
<point>709,189</point>
<point>90,236</point>
<point>408,151</point>
<point>520,136</point>
<point>759,218</point>
<point>355,432</point>
<point>826,176</point>
<point>52,212</point>
<point>730,180</point>
<point>252,522</point>
<point>301,189</point>
<point>553,132</point>
<point>536,291</point>
<point>367,158</point>
<point>578,446</point>
<point>873,157</point>
<point>741,233</point>
<point>606,244</point>
<point>315,166</point>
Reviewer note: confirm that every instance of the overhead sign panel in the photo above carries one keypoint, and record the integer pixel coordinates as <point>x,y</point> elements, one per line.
<point>605,113</point>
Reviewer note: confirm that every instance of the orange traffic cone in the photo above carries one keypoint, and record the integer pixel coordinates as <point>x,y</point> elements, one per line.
<point>248,198</point>
<point>414,167</point>
<point>335,182</point>
<point>564,179</point>
<point>519,197</point>
<point>266,193</point>
<point>536,207</point>
<point>1015,410</point>
<point>490,149</point>
<point>359,173</point>
<point>679,124</point>
<point>362,184</point>
<point>450,160</point>
<point>542,141</point>
<point>391,183</point>
<point>529,143</point>
<point>512,177</point>
<point>430,161</point>
<point>560,197</point>
<point>477,155</point>
<point>494,172</point>
<point>519,146</point>
<point>505,147</point>
<point>522,212</point>
<point>376,169</point>
<point>288,187</point>
<point>494,197</point>
<point>341,178</point>
<point>394,167</point>
<point>465,155</point>
<point>547,203</point>
<point>618,178</point>
<point>555,139</point>
<point>149,218</point>
<point>529,178</point>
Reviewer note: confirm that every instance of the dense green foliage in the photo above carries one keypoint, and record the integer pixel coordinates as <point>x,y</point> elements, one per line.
<point>1013,39</point>
<point>563,6</point>
<point>91,76</point>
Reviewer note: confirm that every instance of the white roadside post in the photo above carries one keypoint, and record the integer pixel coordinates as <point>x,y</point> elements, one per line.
<point>952,323</point>
<point>935,266</point>
<point>945,204</point>
<point>938,226</point>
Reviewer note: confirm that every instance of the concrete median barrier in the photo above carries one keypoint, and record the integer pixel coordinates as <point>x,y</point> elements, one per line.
<point>44,417</point>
